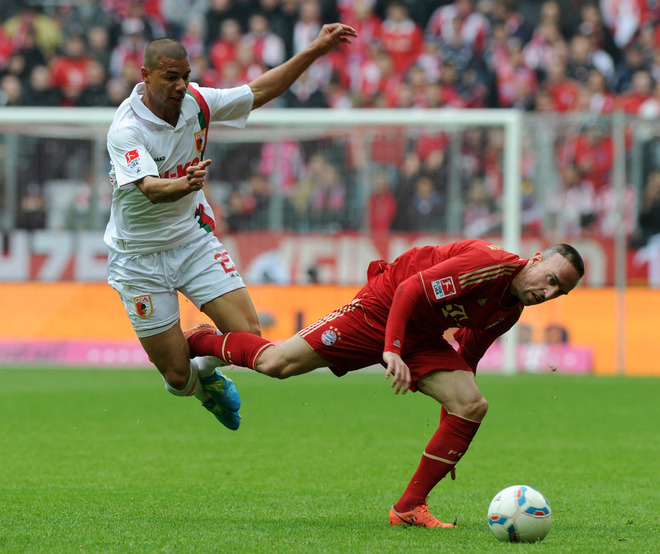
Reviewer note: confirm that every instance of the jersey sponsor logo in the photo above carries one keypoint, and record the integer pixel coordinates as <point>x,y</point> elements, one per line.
<point>200,140</point>
<point>329,337</point>
<point>159,159</point>
<point>455,312</point>
<point>143,305</point>
<point>179,171</point>
<point>443,287</point>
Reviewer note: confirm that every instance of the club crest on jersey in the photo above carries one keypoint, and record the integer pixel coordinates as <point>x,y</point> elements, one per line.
<point>329,337</point>
<point>143,305</point>
<point>200,140</point>
<point>443,287</point>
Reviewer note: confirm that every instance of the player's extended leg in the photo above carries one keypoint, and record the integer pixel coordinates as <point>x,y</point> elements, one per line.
<point>170,353</point>
<point>458,392</point>
<point>290,358</point>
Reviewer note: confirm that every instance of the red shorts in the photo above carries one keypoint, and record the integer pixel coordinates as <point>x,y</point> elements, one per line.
<point>352,337</point>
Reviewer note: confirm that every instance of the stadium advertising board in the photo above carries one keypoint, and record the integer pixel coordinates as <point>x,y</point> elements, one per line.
<point>285,258</point>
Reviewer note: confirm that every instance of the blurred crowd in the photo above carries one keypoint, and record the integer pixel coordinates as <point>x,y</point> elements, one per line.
<point>540,56</point>
<point>552,55</point>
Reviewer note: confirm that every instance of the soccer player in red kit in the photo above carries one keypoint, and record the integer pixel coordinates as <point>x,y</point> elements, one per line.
<point>398,319</point>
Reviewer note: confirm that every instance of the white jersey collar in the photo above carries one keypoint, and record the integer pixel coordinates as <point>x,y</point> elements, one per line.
<point>188,109</point>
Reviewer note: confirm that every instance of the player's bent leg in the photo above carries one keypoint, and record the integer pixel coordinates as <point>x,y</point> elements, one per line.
<point>466,407</point>
<point>170,353</point>
<point>457,391</point>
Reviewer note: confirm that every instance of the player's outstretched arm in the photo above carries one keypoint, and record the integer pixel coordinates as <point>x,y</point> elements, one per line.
<point>397,368</point>
<point>275,81</point>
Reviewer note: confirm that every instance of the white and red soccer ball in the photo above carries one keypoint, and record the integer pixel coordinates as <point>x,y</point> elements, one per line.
<point>519,514</point>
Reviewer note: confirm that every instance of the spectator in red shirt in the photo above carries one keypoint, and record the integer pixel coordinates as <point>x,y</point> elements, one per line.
<point>68,72</point>
<point>564,91</point>
<point>381,204</point>
<point>592,151</point>
<point>224,49</point>
<point>375,76</point>
<point>401,37</point>
<point>361,17</point>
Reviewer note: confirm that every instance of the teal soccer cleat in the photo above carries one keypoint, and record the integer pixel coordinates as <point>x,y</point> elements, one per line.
<point>230,419</point>
<point>222,391</point>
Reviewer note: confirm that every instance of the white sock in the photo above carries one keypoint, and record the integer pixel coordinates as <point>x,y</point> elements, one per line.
<point>207,365</point>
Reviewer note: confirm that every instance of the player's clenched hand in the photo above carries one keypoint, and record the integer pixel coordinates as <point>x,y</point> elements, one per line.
<point>397,368</point>
<point>196,175</point>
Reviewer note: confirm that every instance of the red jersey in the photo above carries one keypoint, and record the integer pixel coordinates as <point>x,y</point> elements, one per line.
<point>465,284</point>
<point>407,305</point>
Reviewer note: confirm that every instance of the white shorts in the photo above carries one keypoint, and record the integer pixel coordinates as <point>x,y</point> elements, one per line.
<point>201,270</point>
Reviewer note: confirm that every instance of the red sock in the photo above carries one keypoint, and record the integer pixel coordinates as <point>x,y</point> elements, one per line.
<point>444,450</point>
<point>241,349</point>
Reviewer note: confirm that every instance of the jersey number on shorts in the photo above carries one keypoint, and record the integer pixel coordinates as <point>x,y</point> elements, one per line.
<point>226,262</point>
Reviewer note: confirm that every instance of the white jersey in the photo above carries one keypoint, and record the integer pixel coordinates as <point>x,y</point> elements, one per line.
<point>141,144</point>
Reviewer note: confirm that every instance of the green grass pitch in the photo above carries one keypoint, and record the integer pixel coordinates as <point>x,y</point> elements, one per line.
<point>108,461</point>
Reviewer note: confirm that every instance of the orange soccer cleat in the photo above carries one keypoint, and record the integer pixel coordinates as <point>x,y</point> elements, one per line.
<point>202,328</point>
<point>419,516</point>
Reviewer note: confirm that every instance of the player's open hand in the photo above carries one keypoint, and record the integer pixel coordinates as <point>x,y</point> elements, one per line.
<point>333,34</point>
<point>397,368</point>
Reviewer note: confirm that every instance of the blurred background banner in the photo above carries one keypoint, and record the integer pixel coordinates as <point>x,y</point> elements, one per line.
<point>74,324</point>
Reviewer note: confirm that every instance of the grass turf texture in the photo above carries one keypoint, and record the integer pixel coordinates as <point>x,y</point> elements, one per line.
<point>108,461</point>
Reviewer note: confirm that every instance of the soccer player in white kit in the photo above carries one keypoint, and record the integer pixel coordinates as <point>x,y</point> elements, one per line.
<point>160,234</point>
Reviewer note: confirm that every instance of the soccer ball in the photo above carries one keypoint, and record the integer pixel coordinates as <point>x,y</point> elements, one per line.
<point>519,514</point>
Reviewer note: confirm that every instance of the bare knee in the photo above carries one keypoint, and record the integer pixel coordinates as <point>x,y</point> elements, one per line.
<point>474,408</point>
<point>272,365</point>
<point>176,380</point>
<point>175,376</point>
<point>275,363</point>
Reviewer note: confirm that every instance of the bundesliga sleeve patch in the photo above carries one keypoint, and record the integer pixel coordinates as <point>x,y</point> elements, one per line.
<point>443,287</point>
<point>132,158</point>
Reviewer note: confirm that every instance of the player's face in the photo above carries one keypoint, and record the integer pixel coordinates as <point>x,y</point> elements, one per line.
<point>544,279</point>
<point>166,86</point>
